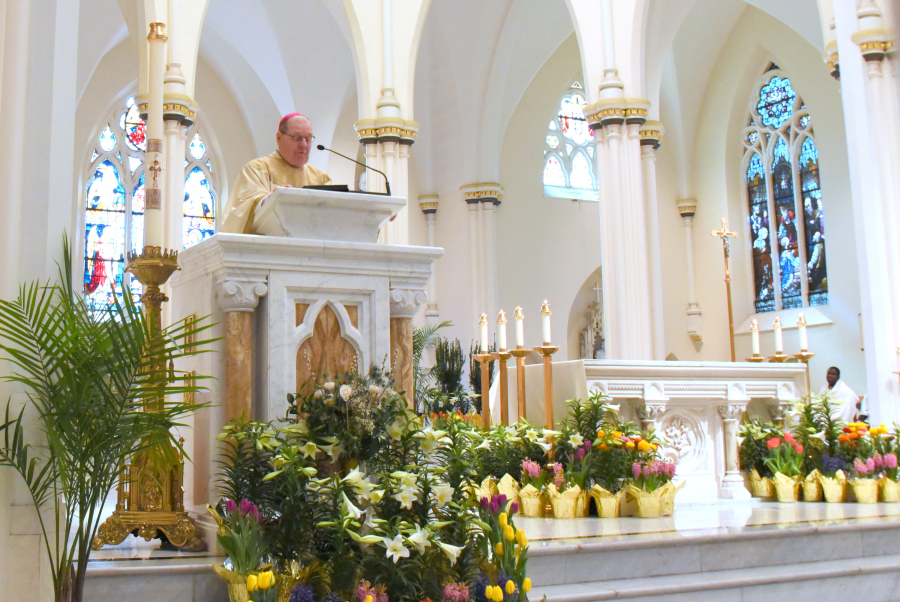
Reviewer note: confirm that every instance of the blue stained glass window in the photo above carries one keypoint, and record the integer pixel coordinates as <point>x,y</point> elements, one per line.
<point>134,127</point>
<point>107,139</point>
<point>104,225</point>
<point>197,148</point>
<point>209,166</point>
<point>134,163</point>
<point>785,213</point>
<point>759,234</point>
<point>814,223</point>
<point>94,156</point>
<point>776,102</point>
<point>552,141</point>
<point>199,208</point>
<point>580,176</point>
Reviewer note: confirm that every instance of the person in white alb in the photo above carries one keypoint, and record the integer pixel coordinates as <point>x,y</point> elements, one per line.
<point>847,402</point>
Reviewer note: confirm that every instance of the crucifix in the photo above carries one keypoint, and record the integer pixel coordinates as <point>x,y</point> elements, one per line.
<point>597,289</point>
<point>725,235</point>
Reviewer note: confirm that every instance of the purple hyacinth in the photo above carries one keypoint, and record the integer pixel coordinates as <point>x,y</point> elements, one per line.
<point>302,593</point>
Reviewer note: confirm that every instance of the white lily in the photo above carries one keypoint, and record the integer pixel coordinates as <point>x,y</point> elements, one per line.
<point>442,494</point>
<point>451,551</point>
<point>542,445</point>
<point>531,435</point>
<point>310,450</point>
<point>364,488</point>
<point>395,548</point>
<point>486,444</point>
<point>433,440</point>
<point>576,440</point>
<point>511,431</point>
<point>353,477</point>
<point>370,515</point>
<point>406,497</point>
<point>376,496</point>
<point>351,509</point>
<point>614,407</point>
<point>420,539</point>
<point>550,435</point>
<point>395,429</point>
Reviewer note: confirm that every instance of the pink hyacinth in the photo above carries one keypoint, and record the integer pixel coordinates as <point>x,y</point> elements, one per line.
<point>558,481</point>
<point>456,592</point>
<point>532,469</point>
<point>646,471</point>
<point>859,466</point>
<point>670,468</point>
<point>879,461</point>
<point>557,468</point>
<point>890,461</point>
<point>636,470</point>
<point>870,465</point>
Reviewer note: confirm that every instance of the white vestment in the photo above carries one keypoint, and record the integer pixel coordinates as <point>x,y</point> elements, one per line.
<point>845,401</point>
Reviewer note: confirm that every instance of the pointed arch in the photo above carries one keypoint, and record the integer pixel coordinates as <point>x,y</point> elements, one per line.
<point>570,143</point>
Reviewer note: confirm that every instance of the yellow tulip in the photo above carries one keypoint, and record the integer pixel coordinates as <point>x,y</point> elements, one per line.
<point>504,519</point>
<point>526,585</point>
<point>510,587</point>
<point>369,598</point>
<point>262,580</point>
<point>521,538</point>
<point>251,583</point>
<point>510,533</point>
<point>499,548</point>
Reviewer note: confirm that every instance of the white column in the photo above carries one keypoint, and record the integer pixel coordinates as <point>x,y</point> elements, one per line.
<point>487,197</point>
<point>476,260</point>
<point>687,208</point>
<point>733,482</point>
<point>651,132</point>
<point>861,41</point>
<point>428,203</point>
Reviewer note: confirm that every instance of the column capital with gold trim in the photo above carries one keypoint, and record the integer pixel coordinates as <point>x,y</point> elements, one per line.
<point>176,107</point>
<point>428,203</point>
<point>616,111</point>
<point>387,129</point>
<point>482,192</point>
<point>651,133</point>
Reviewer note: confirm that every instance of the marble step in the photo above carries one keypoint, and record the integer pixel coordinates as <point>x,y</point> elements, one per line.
<point>677,553</point>
<point>182,579</point>
<point>874,579</point>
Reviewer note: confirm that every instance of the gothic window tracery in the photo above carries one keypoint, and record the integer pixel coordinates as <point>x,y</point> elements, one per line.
<point>569,150</point>
<point>786,215</point>
<point>114,201</point>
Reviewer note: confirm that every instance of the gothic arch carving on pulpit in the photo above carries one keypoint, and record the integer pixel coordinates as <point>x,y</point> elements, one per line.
<point>327,340</point>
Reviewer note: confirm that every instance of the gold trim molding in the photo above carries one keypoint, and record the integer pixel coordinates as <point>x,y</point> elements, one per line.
<point>157,32</point>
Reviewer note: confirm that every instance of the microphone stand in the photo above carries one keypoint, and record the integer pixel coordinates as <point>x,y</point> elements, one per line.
<point>387,184</point>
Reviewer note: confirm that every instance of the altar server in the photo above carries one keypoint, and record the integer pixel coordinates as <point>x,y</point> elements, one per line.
<point>287,167</point>
<point>846,402</point>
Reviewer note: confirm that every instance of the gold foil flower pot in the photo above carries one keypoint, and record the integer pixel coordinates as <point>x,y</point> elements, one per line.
<point>834,488</point>
<point>866,490</point>
<point>237,584</point>
<point>583,505</point>
<point>532,502</point>
<point>812,487</point>
<point>761,487</point>
<point>667,497</point>
<point>648,503</point>
<point>608,504</point>
<point>565,503</point>
<point>787,489</point>
<point>509,487</point>
<point>488,488</point>
<point>889,491</point>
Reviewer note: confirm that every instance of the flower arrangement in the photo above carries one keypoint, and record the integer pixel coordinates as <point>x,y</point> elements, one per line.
<point>262,587</point>
<point>652,475</point>
<point>243,536</point>
<point>785,455</point>
<point>507,551</point>
<point>533,474</point>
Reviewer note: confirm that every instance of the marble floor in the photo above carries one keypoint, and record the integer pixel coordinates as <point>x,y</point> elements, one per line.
<point>697,520</point>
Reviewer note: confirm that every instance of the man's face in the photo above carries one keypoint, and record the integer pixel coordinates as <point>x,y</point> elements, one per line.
<point>294,144</point>
<point>831,376</point>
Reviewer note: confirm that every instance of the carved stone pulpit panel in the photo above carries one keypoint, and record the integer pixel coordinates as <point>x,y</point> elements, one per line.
<point>326,351</point>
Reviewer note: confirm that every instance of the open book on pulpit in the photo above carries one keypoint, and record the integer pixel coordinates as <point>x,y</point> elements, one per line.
<point>325,214</point>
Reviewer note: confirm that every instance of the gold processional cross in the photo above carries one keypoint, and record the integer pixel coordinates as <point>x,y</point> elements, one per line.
<point>725,235</point>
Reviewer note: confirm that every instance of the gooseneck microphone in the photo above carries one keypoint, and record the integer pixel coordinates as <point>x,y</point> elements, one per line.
<point>387,184</point>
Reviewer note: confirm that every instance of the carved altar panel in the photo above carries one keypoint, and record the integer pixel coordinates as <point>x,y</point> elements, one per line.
<point>326,352</point>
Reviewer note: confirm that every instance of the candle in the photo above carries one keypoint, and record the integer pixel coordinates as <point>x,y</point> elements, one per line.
<point>484,333</point>
<point>754,337</point>
<point>520,327</point>
<point>545,322</point>
<point>153,201</point>
<point>501,330</point>
<point>779,340</point>
<point>801,326</point>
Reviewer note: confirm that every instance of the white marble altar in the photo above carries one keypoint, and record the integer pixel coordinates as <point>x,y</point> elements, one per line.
<point>695,408</point>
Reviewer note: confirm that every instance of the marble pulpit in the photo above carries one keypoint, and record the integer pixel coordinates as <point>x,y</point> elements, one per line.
<point>295,307</point>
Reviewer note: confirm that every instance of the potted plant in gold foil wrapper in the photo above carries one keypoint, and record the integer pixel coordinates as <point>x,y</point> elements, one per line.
<point>785,460</point>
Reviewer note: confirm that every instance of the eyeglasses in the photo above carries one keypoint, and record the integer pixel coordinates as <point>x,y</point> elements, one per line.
<point>299,139</point>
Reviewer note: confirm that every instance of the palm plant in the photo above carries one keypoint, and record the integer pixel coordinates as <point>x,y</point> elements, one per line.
<point>100,384</point>
<point>424,338</point>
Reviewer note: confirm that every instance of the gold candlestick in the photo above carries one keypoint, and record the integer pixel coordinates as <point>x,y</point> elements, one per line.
<point>778,358</point>
<point>756,358</point>
<point>520,353</point>
<point>804,356</point>
<point>485,360</point>
<point>547,351</point>
<point>501,357</point>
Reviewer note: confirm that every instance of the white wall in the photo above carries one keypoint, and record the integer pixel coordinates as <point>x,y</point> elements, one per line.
<point>717,183</point>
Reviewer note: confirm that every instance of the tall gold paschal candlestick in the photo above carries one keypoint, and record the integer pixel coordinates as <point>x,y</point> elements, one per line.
<point>484,358</point>
<point>725,235</point>
<point>502,357</point>
<point>547,352</point>
<point>520,353</point>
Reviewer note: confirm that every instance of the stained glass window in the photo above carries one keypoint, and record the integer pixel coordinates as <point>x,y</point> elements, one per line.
<point>569,150</point>
<point>785,219</point>
<point>199,208</point>
<point>114,202</point>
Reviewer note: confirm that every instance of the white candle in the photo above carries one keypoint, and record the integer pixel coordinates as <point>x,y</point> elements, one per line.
<point>801,327</point>
<point>545,322</point>
<point>153,201</point>
<point>520,327</point>
<point>501,330</point>
<point>754,337</point>
<point>484,333</point>
<point>779,340</point>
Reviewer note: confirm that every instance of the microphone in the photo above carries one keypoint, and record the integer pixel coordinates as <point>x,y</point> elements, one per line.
<point>386,183</point>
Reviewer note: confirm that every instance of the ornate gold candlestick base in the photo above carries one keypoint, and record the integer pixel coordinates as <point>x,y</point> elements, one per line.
<point>150,497</point>
<point>547,351</point>
<point>485,360</point>
<point>520,354</point>
<point>779,358</point>
<point>804,356</point>
<point>755,358</point>
<point>502,356</point>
